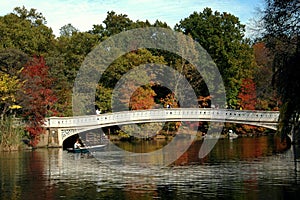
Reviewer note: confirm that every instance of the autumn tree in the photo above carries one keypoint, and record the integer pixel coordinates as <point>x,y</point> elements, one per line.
<point>12,62</point>
<point>267,97</point>
<point>9,86</point>
<point>142,98</point>
<point>169,101</point>
<point>247,94</point>
<point>281,20</point>
<point>37,97</point>
<point>248,101</point>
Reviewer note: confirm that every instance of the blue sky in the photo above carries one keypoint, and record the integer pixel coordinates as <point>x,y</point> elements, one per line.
<point>82,14</point>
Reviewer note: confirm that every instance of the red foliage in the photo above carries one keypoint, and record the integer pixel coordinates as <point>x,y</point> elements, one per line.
<point>247,94</point>
<point>38,99</point>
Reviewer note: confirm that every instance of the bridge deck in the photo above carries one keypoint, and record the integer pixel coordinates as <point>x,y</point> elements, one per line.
<point>259,118</point>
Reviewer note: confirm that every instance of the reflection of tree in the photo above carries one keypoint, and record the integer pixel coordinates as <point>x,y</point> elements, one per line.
<point>247,148</point>
<point>24,174</point>
<point>10,166</point>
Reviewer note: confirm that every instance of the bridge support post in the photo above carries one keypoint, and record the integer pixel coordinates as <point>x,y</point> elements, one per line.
<point>53,140</point>
<point>43,139</point>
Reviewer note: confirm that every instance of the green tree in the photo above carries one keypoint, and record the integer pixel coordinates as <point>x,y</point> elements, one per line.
<point>117,69</point>
<point>73,49</point>
<point>62,85</point>
<point>116,23</point>
<point>222,36</point>
<point>12,61</point>
<point>68,30</point>
<point>113,24</point>
<point>26,30</point>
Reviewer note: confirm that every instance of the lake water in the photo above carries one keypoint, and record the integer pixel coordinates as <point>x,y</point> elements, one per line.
<point>243,168</point>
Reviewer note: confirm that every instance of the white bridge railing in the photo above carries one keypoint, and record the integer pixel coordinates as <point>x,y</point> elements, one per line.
<point>267,119</point>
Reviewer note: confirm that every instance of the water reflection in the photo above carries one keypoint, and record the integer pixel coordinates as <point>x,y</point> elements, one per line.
<point>246,168</point>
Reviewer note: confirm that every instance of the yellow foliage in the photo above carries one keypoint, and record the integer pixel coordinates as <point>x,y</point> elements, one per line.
<point>9,85</point>
<point>15,107</point>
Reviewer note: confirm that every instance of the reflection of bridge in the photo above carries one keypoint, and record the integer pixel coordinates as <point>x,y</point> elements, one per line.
<point>60,128</point>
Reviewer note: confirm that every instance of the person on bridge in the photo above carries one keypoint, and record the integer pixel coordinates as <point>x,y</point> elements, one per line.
<point>98,112</point>
<point>77,144</point>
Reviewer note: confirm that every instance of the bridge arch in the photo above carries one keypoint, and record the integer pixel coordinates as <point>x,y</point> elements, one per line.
<point>91,128</point>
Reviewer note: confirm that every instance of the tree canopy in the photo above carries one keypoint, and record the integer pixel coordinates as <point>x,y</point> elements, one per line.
<point>26,30</point>
<point>29,53</point>
<point>282,21</point>
<point>222,36</point>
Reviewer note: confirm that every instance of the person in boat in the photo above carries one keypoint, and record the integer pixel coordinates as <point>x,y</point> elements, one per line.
<point>77,144</point>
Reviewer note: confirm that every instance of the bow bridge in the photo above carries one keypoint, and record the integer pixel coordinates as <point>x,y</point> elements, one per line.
<point>60,128</point>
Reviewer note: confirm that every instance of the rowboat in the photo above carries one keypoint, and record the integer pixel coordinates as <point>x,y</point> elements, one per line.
<point>85,149</point>
<point>232,134</point>
<point>77,150</point>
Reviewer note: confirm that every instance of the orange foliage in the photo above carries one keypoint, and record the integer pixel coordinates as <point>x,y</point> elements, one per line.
<point>142,98</point>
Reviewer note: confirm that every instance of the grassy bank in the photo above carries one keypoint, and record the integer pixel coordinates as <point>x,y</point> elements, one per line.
<point>11,135</point>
